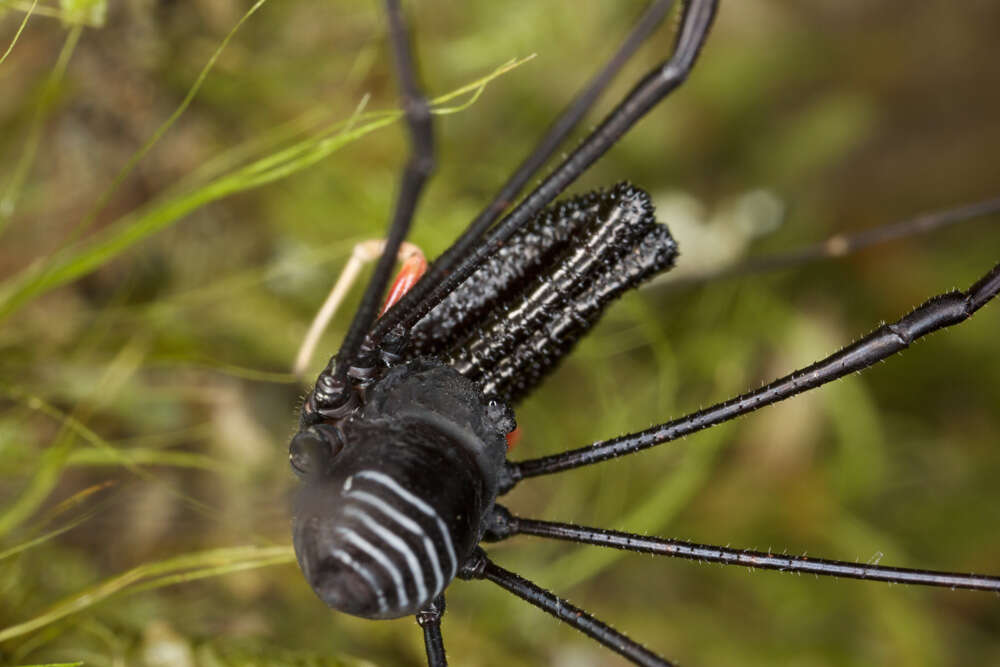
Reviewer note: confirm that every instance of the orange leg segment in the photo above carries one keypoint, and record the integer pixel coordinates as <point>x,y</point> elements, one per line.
<point>413,268</point>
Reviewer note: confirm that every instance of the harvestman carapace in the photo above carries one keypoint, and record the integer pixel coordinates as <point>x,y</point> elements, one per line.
<point>401,448</point>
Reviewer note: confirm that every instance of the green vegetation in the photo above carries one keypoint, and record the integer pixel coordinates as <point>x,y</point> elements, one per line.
<point>181,183</point>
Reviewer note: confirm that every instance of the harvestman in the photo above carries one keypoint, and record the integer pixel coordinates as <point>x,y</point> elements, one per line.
<point>401,447</point>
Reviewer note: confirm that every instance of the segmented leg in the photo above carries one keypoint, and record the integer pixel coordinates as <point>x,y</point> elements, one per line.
<point>481,567</point>
<point>553,138</point>
<point>657,84</point>
<point>842,245</point>
<point>504,275</point>
<point>429,619</point>
<point>333,393</point>
<point>526,336</point>
<point>936,313</point>
<point>506,525</point>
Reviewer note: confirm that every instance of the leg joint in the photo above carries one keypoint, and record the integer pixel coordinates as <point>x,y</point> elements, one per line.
<point>939,312</point>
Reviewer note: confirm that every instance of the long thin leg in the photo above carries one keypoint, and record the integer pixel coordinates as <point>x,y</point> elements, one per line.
<point>553,138</point>
<point>481,567</point>
<point>418,168</point>
<point>939,312</point>
<point>657,84</point>
<point>507,525</point>
<point>842,245</point>
<point>429,618</point>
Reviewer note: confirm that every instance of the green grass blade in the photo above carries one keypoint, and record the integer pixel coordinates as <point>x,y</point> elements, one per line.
<point>102,452</point>
<point>167,124</point>
<point>215,562</point>
<point>20,29</point>
<point>41,539</point>
<point>50,90</point>
<point>80,260</point>
<point>50,467</point>
<point>144,456</point>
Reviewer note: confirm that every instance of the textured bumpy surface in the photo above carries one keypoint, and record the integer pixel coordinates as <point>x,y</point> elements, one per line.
<point>504,274</point>
<point>515,318</point>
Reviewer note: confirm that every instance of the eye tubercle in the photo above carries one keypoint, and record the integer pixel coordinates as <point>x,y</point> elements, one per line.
<point>312,452</point>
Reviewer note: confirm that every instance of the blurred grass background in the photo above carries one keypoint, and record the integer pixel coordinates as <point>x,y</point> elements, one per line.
<point>145,401</point>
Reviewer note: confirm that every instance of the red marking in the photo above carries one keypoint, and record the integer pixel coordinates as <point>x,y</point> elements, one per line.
<point>413,268</point>
<point>513,438</point>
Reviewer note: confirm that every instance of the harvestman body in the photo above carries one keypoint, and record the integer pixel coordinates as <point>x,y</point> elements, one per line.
<point>401,448</point>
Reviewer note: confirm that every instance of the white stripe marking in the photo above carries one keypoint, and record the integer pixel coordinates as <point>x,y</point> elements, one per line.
<point>394,486</point>
<point>410,525</point>
<point>364,573</point>
<point>396,543</point>
<point>377,554</point>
